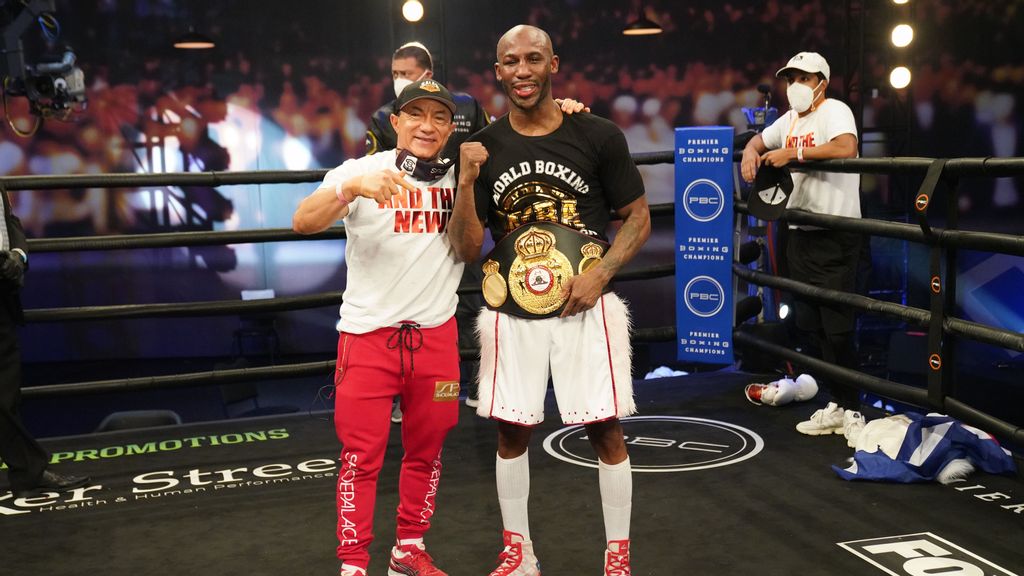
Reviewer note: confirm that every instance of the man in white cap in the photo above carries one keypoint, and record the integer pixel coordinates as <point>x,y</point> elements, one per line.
<point>818,128</point>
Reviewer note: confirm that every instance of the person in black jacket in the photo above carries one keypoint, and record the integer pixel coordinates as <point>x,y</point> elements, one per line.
<point>26,460</point>
<point>410,63</point>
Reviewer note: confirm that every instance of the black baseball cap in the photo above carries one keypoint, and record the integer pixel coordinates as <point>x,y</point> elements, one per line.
<point>428,88</point>
<point>770,194</point>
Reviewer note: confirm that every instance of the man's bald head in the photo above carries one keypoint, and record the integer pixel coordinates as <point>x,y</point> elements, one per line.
<point>528,34</point>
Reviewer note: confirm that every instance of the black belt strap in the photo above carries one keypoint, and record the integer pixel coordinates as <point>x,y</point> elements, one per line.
<point>927,190</point>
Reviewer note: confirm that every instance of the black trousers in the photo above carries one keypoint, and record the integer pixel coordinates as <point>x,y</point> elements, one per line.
<point>827,259</point>
<point>465,316</point>
<point>25,458</point>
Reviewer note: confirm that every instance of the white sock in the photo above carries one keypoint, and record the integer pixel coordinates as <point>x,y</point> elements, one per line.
<point>418,542</point>
<point>616,482</point>
<point>513,480</point>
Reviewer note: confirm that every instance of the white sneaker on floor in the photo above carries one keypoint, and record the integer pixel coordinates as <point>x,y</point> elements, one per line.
<point>517,558</point>
<point>828,420</point>
<point>853,424</point>
<point>349,570</point>
<point>396,413</point>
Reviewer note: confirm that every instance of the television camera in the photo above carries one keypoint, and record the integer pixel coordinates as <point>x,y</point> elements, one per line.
<point>54,86</point>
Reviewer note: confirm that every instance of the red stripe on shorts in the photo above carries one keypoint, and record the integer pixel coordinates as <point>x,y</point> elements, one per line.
<point>494,377</point>
<point>611,368</point>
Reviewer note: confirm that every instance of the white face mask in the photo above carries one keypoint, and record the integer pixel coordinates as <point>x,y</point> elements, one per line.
<point>801,96</point>
<point>401,83</point>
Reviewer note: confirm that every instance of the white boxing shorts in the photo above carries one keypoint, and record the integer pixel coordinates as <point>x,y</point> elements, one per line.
<point>587,357</point>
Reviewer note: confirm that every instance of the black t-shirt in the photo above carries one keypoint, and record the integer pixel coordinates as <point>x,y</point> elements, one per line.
<point>573,176</point>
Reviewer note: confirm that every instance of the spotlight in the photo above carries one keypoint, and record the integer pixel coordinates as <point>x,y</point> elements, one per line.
<point>899,1</point>
<point>902,35</point>
<point>899,77</point>
<point>412,10</point>
<point>747,308</point>
<point>783,311</point>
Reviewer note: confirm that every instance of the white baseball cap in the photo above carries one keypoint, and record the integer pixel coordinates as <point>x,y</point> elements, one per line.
<point>806,62</point>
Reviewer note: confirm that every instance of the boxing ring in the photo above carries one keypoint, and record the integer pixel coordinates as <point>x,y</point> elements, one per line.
<point>721,486</point>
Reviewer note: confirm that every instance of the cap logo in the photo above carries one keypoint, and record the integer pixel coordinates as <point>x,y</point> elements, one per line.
<point>773,196</point>
<point>430,86</point>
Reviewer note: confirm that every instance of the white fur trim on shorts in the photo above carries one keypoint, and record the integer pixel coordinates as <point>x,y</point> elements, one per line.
<point>588,357</point>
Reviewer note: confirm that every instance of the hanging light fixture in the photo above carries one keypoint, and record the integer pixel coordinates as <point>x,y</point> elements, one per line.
<point>642,26</point>
<point>193,40</point>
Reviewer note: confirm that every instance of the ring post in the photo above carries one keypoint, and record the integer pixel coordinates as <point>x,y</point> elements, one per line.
<point>704,251</point>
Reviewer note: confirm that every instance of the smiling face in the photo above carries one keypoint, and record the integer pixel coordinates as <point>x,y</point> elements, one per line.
<point>423,127</point>
<point>524,67</point>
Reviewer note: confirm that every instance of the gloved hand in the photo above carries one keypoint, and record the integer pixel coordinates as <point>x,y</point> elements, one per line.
<point>12,268</point>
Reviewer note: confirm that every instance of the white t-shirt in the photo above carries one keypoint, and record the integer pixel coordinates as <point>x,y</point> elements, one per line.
<point>815,191</point>
<point>401,266</point>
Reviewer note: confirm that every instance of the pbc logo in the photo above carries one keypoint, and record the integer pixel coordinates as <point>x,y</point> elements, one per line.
<point>920,554</point>
<point>664,444</point>
<point>704,296</point>
<point>703,200</point>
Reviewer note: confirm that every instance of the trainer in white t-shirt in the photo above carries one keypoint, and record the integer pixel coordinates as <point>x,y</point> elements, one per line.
<point>401,266</point>
<point>816,191</point>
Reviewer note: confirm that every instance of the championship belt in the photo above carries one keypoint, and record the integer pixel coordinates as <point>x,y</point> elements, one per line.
<point>532,264</point>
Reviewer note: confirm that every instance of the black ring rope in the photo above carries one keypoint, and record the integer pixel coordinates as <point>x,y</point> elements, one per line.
<point>232,307</point>
<point>183,309</point>
<point>51,182</point>
<point>989,167</point>
<point>177,239</point>
<point>980,332</point>
<point>210,377</point>
<point>982,241</point>
<point>191,379</point>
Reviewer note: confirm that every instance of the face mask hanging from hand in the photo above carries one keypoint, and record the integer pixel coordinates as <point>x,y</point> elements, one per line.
<point>401,83</point>
<point>801,96</point>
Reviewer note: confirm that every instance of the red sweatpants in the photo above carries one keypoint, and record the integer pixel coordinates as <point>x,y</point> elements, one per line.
<point>421,365</point>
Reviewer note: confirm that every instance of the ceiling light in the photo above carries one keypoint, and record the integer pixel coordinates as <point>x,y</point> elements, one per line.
<point>412,10</point>
<point>899,77</point>
<point>642,26</point>
<point>193,40</point>
<point>902,35</point>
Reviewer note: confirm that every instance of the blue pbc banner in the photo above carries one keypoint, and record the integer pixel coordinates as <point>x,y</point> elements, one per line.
<point>704,244</point>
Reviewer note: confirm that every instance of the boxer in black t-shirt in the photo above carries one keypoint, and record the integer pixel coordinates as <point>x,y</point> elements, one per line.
<point>534,178</point>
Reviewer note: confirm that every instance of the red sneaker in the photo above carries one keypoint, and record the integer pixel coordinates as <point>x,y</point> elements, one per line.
<point>517,558</point>
<point>616,558</point>
<point>412,560</point>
